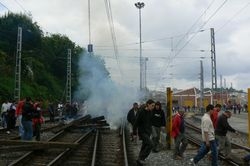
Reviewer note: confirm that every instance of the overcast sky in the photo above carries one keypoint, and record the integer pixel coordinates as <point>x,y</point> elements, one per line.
<point>175,37</point>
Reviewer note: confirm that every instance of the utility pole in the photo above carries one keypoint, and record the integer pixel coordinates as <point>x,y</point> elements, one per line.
<point>145,72</point>
<point>213,60</point>
<point>202,87</point>
<point>140,5</point>
<point>221,91</point>
<point>68,84</point>
<point>90,46</point>
<point>18,65</point>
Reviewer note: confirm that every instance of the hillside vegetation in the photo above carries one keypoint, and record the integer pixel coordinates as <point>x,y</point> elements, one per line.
<point>44,60</point>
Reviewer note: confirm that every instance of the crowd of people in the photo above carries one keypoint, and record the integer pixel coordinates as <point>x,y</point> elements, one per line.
<point>148,120</point>
<point>28,116</point>
<point>25,114</point>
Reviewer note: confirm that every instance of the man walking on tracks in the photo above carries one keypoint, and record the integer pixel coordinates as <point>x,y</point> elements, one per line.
<point>131,119</point>
<point>144,124</point>
<point>208,138</point>
<point>158,122</point>
<point>178,132</point>
<point>221,133</point>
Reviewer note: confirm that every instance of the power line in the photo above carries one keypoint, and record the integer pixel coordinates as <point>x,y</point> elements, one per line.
<point>229,20</point>
<point>213,14</point>
<point>5,6</point>
<point>188,32</point>
<point>152,40</point>
<point>216,11</point>
<point>113,36</point>
<point>21,6</point>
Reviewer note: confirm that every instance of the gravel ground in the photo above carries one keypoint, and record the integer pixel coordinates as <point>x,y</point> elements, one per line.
<point>165,157</point>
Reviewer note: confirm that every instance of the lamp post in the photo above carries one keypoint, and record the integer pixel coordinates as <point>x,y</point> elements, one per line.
<point>145,63</point>
<point>140,5</point>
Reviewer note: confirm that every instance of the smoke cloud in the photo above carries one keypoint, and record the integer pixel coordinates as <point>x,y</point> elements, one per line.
<point>102,96</point>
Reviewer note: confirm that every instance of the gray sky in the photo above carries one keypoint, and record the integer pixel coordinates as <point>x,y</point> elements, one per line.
<point>173,33</point>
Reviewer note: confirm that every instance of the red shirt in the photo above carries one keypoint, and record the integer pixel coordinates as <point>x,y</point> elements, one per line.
<point>176,125</point>
<point>19,108</point>
<point>214,117</point>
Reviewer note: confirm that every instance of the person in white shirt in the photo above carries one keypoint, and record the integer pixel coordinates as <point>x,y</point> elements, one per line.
<point>4,109</point>
<point>208,137</point>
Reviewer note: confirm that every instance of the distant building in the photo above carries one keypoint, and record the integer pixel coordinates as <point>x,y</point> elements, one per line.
<point>191,98</point>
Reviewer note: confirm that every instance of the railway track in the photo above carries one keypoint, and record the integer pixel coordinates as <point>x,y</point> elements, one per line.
<point>14,134</point>
<point>193,134</point>
<point>82,142</point>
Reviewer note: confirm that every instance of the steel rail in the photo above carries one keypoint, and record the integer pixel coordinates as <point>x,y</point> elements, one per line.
<point>124,144</point>
<point>95,149</point>
<point>198,142</point>
<point>62,155</point>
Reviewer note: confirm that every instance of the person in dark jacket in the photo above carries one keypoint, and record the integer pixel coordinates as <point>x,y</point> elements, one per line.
<point>144,124</point>
<point>27,115</point>
<point>51,111</point>
<point>246,159</point>
<point>221,133</point>
<point>158,121</point>
<point>131,116</point>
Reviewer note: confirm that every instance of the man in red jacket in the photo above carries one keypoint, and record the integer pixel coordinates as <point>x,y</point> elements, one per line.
<point>178,133</point>
<point>18,115</point>
<point>215,114</point>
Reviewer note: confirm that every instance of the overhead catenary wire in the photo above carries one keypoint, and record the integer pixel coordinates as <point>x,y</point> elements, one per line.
<point>216,11</point>
<point>200,29</point>
<point>190,29</point>
<point>150,40</point>
<point>21,6</point>
<point>5,6</point>
<point>233,16</point>
<point>113,36</point>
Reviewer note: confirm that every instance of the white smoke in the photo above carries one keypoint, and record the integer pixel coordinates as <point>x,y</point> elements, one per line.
<point>105,97</point>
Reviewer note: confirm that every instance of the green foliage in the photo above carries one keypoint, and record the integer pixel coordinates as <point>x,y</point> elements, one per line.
<point>44,60</point>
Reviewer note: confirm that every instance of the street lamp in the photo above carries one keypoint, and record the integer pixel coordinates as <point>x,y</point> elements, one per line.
<point>140,5</point>
<point>145,76</point>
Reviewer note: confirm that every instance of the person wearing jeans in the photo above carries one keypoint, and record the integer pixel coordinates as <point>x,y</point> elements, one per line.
<point>18,115</point>
<point>27,115</point>
<point>208,138</point>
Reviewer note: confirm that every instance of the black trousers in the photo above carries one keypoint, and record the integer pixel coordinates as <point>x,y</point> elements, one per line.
<point>146,147</point>
<point>37,131</point>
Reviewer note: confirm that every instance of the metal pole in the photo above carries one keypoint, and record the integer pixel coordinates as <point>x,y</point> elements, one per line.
<point>169,118</point>
<point>146,59</point>
<point>90,46</point>
<point>140,5</point>
<point>18,65</point>
<point>202,88</point>
<point>248,112</point>
<point>213,61</point>
<point>140,50</point>
<point>68,86</point>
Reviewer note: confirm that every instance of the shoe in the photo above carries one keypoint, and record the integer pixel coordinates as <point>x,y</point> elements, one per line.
<point>228,157</point>
<point>177,157</point>
<point>192,162</point>
<point>155,150</point>
<point>141,161</point>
